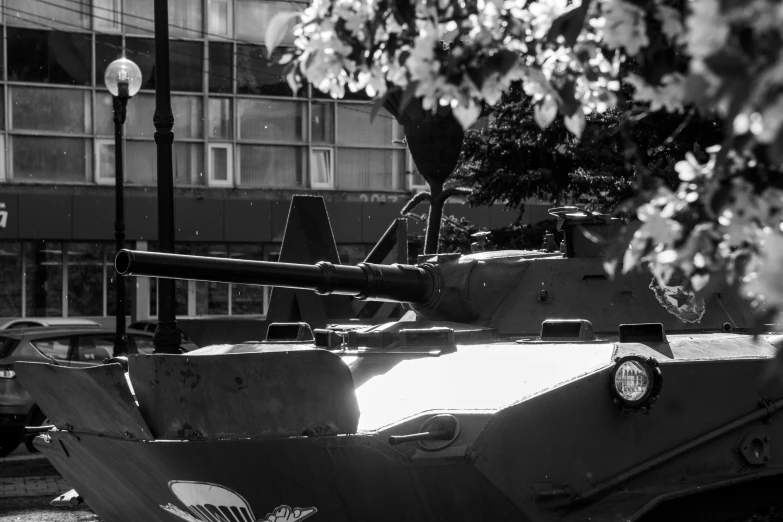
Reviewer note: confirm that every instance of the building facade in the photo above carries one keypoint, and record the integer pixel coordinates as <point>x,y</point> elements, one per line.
<point>244,143</point>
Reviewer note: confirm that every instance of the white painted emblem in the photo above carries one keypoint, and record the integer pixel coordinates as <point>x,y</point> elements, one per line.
<point>682,304</point>
<point>207,502</point>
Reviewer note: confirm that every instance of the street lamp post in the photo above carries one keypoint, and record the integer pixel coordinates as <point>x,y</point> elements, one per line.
<point>167,337</point>
<point>123,79</point>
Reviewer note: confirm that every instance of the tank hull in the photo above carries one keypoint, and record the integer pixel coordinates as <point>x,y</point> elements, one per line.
<point>546,443</point>
<point>347,478</point>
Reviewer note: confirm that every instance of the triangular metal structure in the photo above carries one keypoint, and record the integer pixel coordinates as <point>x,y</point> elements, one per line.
<point>308,238</point>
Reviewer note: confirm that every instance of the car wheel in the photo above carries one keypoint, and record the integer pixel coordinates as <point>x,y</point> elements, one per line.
<point>39,419</point>
<point>9,441</point>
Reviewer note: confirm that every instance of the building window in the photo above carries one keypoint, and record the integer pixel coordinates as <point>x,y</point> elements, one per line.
<point>142,52</point>
<point>369,169</point>
<point>107,15</point>
<point>47,109</point>
<point>140,163</point>
<point>355,128</point>
<point>2,163</point>
<point>221,67</point>
<point>37,158</point>
<point>104,162</point>
<point>138,122</point>
<point>253,17</point>
<point>267,166</point>
<point>137,15</point>
<point>221,20</point>
<point>49,56</point>
<point>220,121</point>
<point>2,103</point>
<point>220,165</point>
<point>53,14</point>
<point>321,168</point>
<point>186,62</point>
<point>188,116</point>
<point>104,114</point>
<point>85,279</point>
<point>271,120</point>
<point>258,75</point>
<point>11,276</point>
<point>416,181</point>
<point>322,122</point>
<point>107,49</point>
<point>187,65</point>
<point>43,270</point>
<point>184,18</point>
<point>188,159</point>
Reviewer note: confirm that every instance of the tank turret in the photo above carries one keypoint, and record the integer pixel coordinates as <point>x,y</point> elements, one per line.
<point>511,291</point>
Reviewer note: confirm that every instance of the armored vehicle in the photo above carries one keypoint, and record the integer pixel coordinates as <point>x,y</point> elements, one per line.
<point>520,385</point>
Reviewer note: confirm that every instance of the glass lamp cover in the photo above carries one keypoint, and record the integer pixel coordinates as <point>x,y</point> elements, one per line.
<point>122,70</point>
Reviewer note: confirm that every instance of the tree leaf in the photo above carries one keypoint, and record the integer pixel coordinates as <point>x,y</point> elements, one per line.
<point>467,116</point>
<point>569,24</point>
<point>576,123</point>
<point>545,112</point>
<point>729,63</point>
<point>501,62</point>
<point>277,29</point>
<point>775,149</point>
<point>293,81</point>
<point>568,96</point>
<point>407,96</point>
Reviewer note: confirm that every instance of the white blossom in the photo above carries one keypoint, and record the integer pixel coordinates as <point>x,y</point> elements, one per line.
<point>625,26</point>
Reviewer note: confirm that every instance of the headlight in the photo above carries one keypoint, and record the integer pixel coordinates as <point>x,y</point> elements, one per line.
<point>636,382</point>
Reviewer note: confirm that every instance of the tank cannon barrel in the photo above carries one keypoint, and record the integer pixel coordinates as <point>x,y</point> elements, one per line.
<point>396,283</point>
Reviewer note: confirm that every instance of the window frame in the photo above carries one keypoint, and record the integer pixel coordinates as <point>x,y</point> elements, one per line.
<point>329,184</point>
<point>97,177</point>
<point>86,140</point>
<point>229,181</point>
<point>102,24</point>
<point>229,19</point>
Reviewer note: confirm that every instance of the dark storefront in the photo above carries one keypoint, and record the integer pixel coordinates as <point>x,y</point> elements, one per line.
<point>57,248</point>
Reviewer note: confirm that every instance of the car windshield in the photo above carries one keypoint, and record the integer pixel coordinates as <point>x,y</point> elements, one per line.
<point>7,345</point>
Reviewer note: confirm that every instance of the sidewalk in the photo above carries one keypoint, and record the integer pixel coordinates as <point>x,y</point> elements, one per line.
<point>32,486</point>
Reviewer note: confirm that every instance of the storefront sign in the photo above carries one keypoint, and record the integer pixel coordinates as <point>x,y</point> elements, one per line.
<point>378,198</point>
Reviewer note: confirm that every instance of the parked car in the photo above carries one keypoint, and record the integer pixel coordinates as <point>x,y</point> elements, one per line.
<point>75,347</point>
<point>32,322</point>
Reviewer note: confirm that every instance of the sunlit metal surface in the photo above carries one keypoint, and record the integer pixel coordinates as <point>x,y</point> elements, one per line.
<point>477,377</point>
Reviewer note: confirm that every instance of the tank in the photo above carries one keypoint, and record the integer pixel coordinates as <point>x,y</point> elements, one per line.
<point>519,385</point>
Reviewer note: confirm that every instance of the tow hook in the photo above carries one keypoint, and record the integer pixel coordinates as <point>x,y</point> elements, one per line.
<point>435,433</point>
